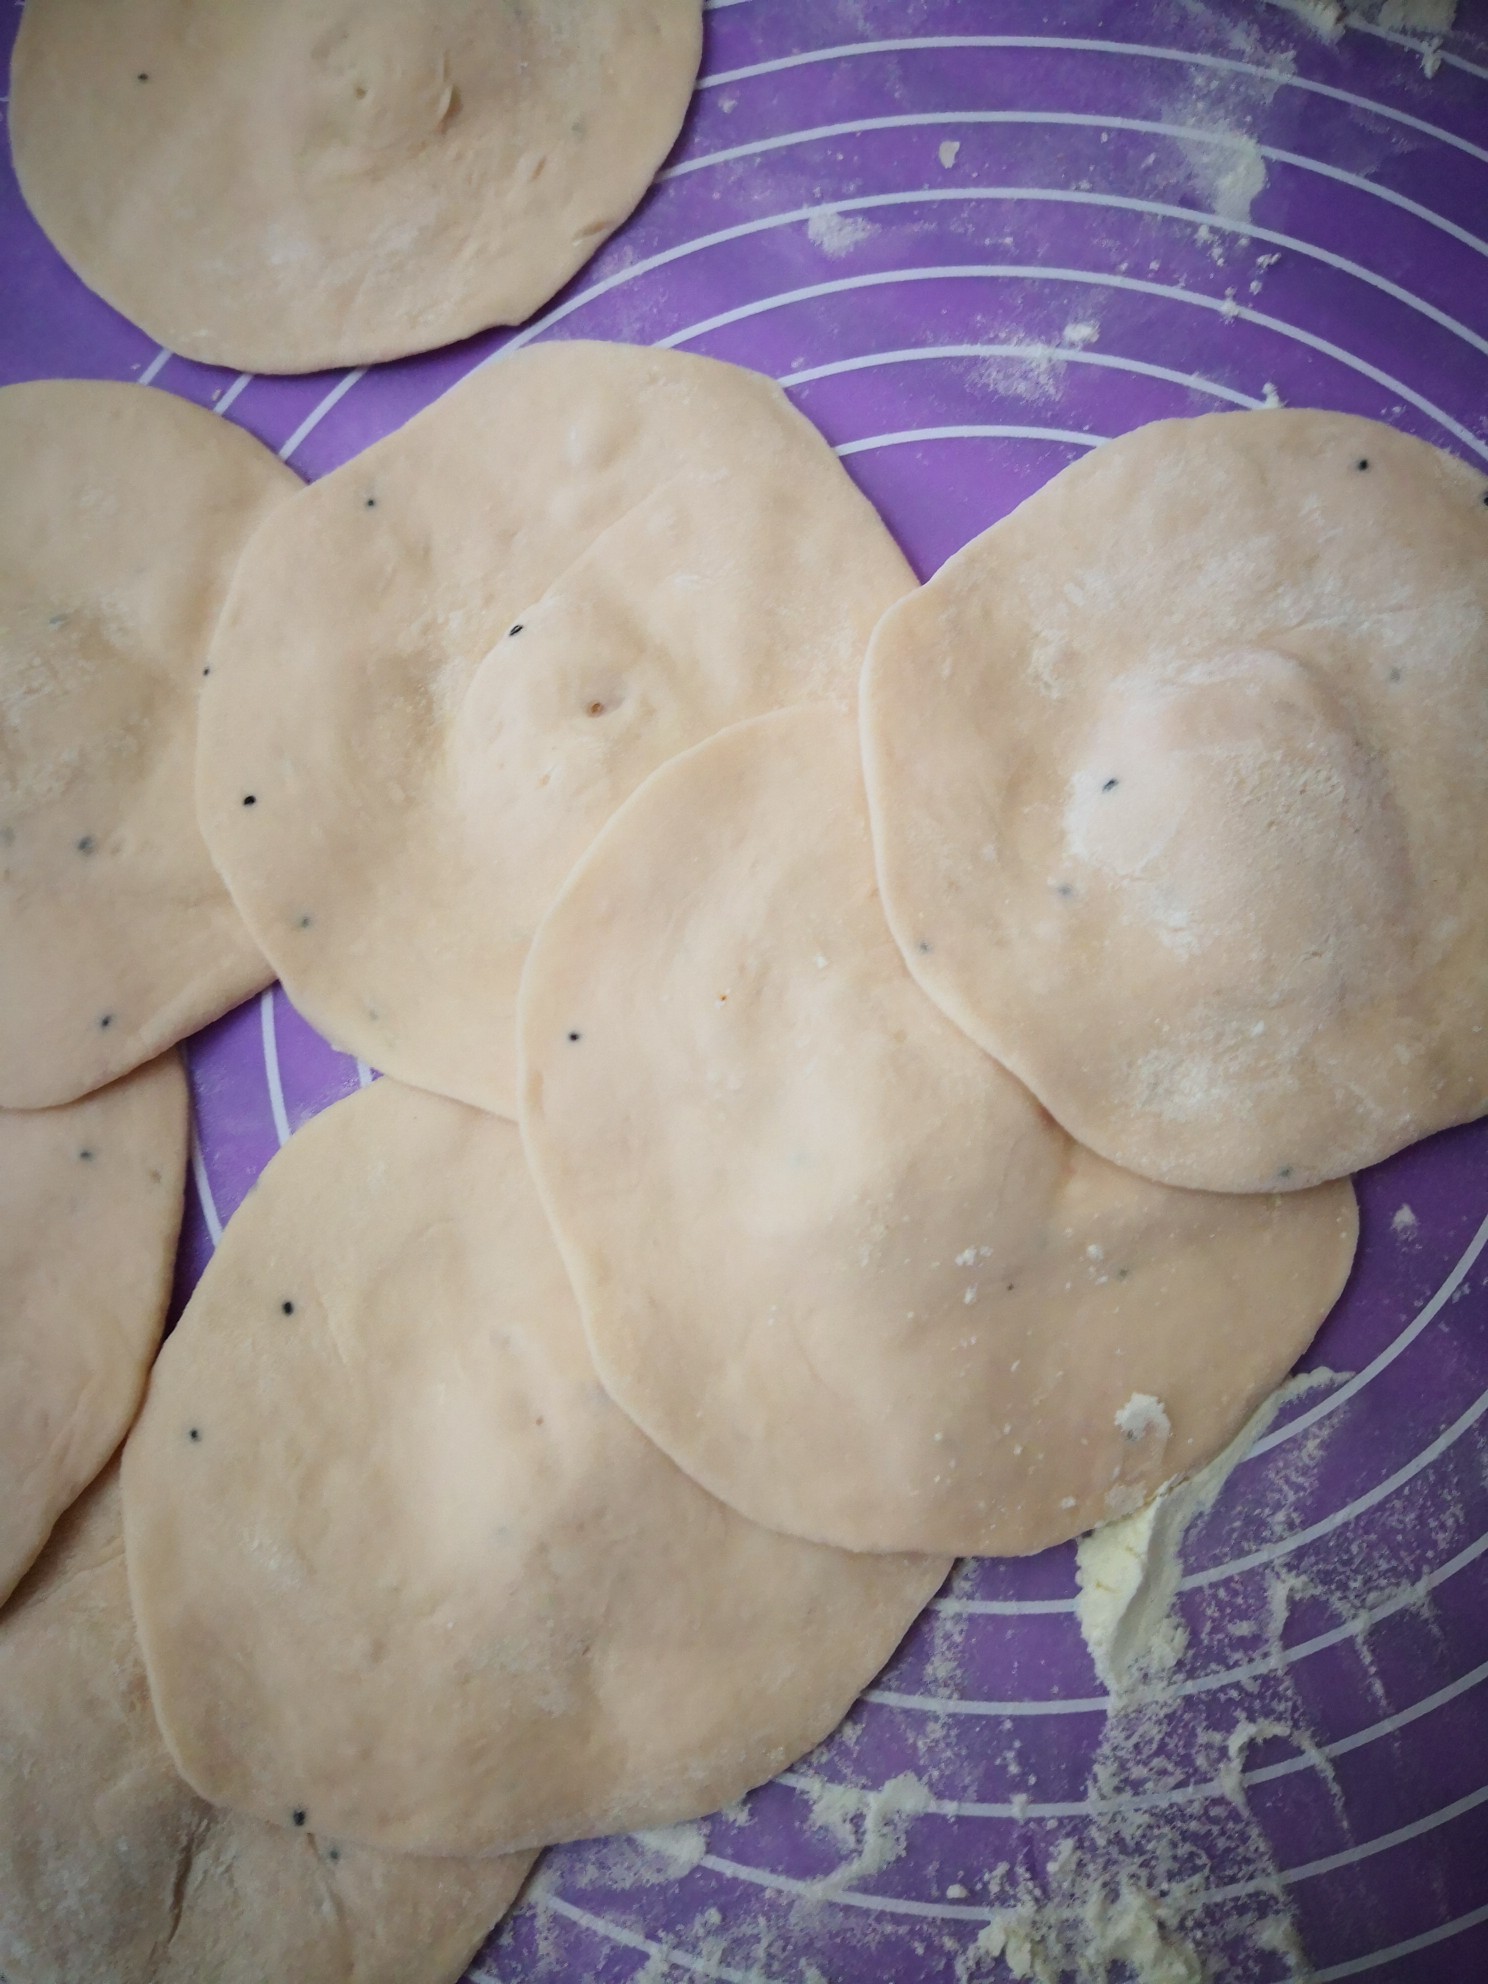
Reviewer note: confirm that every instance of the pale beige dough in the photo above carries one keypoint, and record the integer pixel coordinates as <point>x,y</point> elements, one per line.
<point>112,1871</point>
<point>830,1256</point>
<point>1179,779</point>
<point>402,1568</point>
<point>122,513</point>
<point>294,184</point>
<point>678,548</point>
<point>90,1207</point>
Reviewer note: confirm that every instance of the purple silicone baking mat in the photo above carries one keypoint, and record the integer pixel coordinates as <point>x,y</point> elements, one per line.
<point>973,237</point>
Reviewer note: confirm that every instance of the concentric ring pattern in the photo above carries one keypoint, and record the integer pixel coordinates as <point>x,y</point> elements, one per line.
<point>973,238</point>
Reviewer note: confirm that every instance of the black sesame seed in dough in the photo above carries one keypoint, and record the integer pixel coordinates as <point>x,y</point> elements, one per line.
<point>1363,463</point>
<point>287,1307</point>
<point>87,844</point>
<point>575,1036</point>
<point>298,1815</point>
<point>250,798</point>
<point>371,502</point>
<point>306,921</point>
<point>195,1433</point>
<point>85,1156</point>
<point>143,76</point>
<point>107,1020</point>
<point>1110,785</point>
<point>518,628</point>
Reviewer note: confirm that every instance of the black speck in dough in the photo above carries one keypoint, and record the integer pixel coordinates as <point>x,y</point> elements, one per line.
<point>287,1307</point>
<point>1065,889</point>
<point>107,1020</point>
<point>576,1036</point>
<point>250,798</point>
<point>86,1156</point>
<point>195,1433</point>
<point>298,1815</point>
<point>371,502</point>
<point>1285,1171</point>
<point>333,1853</point>
<point>87,844</point>
<point>924,947</point>
<point>1110,785</point>
<point>306,921</point>
<point>143,76</point>
<point>518,628</point>
<point>1363,463</point>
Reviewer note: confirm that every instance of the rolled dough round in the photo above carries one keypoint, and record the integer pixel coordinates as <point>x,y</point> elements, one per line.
<point>830,1256</point>
<point>306,183</point>
<point>122,514</point>
<point>445,665</point>
<point>401,1569</point>
<point>1179,779</point>
<point>90,1206</point>
<point>112,1871</point>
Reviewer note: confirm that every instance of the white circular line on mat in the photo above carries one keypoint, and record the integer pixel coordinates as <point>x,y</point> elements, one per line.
<point>270,1038</point>
<point>1424,47</point>
<point>230,396</point>
<point>699,1966</point>
<point>1269,1553</point>
<point>1357,1966</point>
<point>1079,120</point>
<point>318,413</point>
<point>1198,1684</point>
<point>743,230</point>
<point>992,433</point>
<point>203,1184</point>
<point>1031,272</point>
<point>1058,353</point>
<point>155,367</point>
<point>1161,210</point>
<point>1188,1794</point>
<point>1074,44</point>
<point>1350,1856</point>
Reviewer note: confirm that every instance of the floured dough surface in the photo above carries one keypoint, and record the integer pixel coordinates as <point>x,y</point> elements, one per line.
<point>306,183</point>
<point>444,667</point>
<point>122,514</point>
<point>403,1570</point>
<point>1179,777</point>
<point>90,1206</point>
<point>830,1255</point>
<point>112,1871</point>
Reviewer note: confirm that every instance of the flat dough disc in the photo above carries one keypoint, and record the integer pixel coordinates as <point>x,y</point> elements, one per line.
<point>122,514</point>
<point>90,1207</point>
<point>830,1256</point>
<point>305,183</point>
<point>1179,779</point>
<point>678,547</point>
<point>113,1872</point>
<point>399,1565</point>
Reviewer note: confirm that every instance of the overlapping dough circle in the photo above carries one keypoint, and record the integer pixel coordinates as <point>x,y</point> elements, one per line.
<point>403,1572</point>
<point>1179,777</point>
<point>296,184</point>
<point>112,1871</point>
<point>830,1256</point>
<point>122,514</point>
<point>445,666</point>
<point>90,1206</point>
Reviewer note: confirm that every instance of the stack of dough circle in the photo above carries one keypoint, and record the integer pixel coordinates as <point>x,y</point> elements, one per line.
<point>113,1872</point>
<point>122,514</point>
<point>830,1256</point>
<point>1179,779</point>
<point>401,1570</point>
<point>90,1205</point>
<point>294,184</point>
<point>444,666</point>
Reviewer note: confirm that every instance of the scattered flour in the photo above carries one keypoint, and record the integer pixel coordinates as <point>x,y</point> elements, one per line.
<point>838,234</point>
<point>949,152</point>
<point>871,1825</point>
<point>1404,1222</point>
<point>1080,333</point>
<point>1143,1414</point>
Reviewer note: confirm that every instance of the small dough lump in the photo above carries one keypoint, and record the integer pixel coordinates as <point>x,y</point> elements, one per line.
<point>830,1256</point>
<point>122,514</point>
<point>403,1572</point>
<point>446,664</point>
<point>1179,780</point>
<point>282,185</point>
<point>90,1206</point>
<point>113,1872</point>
